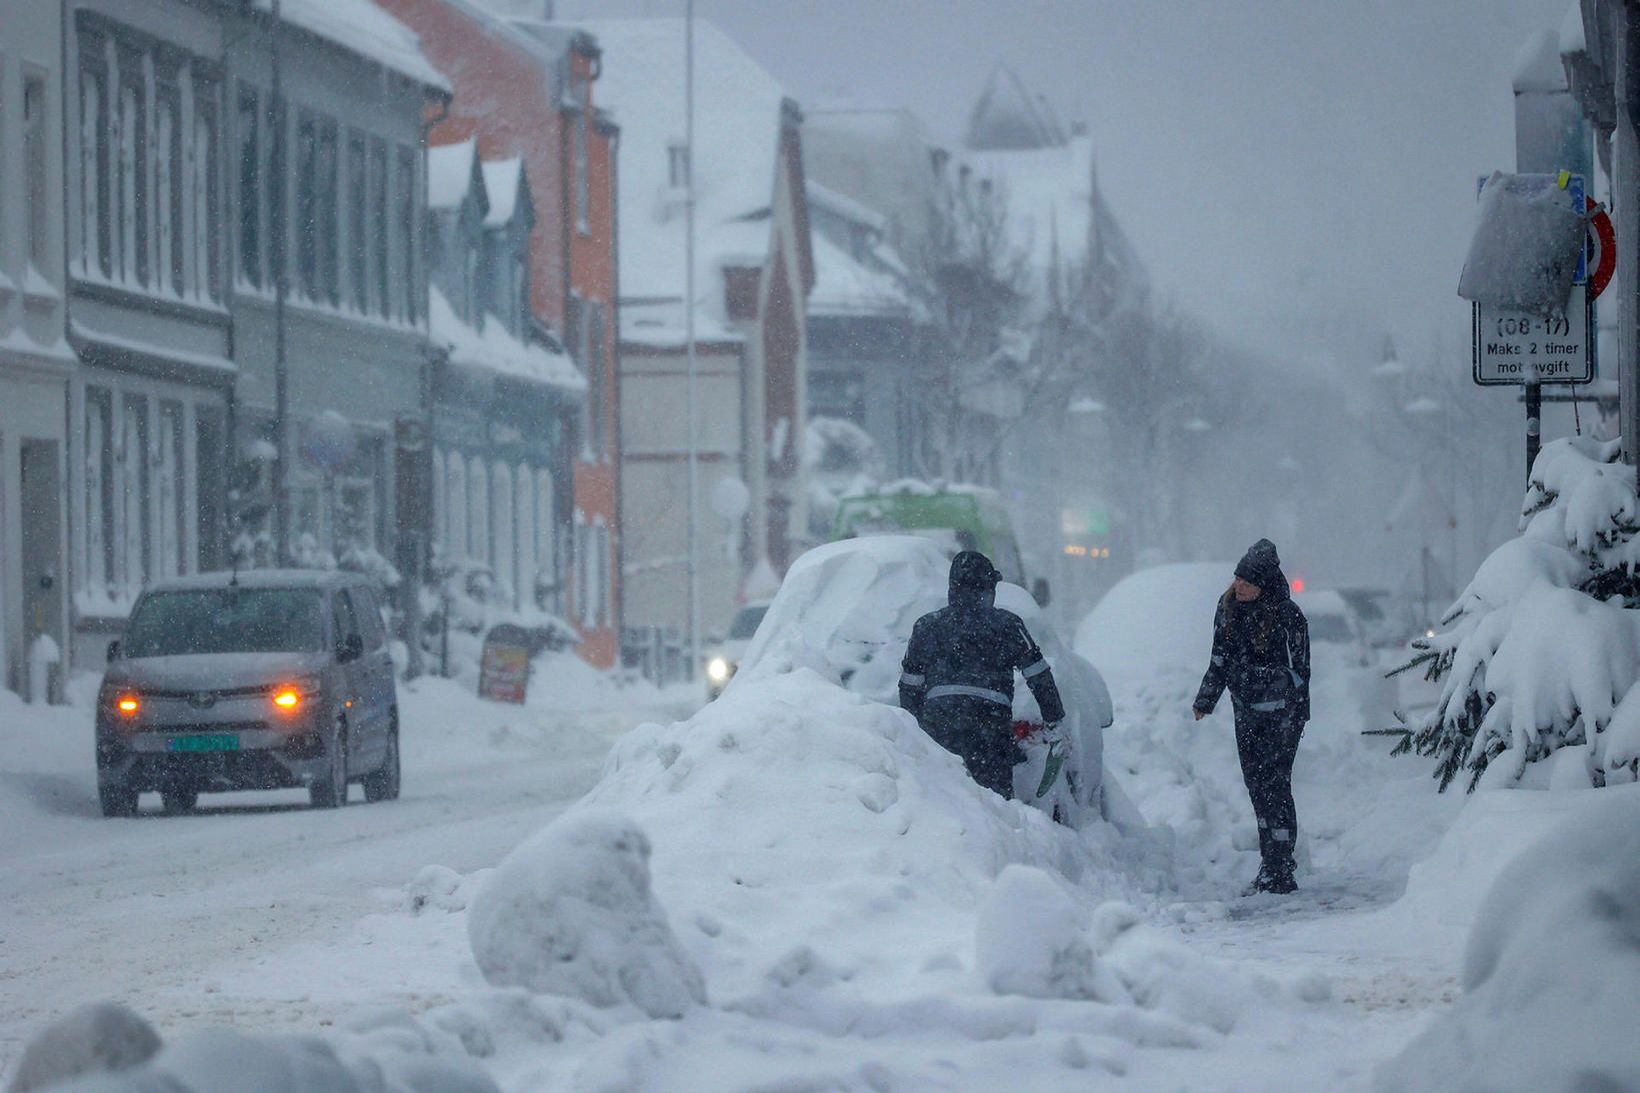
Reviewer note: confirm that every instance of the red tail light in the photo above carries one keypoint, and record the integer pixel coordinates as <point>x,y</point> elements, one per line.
<point>128,705</point>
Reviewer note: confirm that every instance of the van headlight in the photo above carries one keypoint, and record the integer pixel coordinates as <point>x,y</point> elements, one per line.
<point>718,670</point>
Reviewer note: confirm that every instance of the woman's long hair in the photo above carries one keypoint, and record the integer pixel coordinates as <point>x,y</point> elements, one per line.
<point>1263,626</point>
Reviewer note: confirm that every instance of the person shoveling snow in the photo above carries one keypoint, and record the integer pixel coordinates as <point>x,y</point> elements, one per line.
<point>957,678</point>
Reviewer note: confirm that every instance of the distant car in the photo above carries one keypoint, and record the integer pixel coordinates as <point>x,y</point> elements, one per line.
<point>845,610</point>
<point>723,659</point>
<point>1374,608</point>
<point>267,679</point>
<point>1333,622</point>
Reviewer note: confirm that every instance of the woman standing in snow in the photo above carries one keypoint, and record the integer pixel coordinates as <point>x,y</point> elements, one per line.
<point>1261,652</point>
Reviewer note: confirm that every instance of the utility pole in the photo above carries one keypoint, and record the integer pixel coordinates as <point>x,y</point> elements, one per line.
<point>281,287</point>
<point>1550,136</point>
<point>1625,189</point>
<point>689,331</point>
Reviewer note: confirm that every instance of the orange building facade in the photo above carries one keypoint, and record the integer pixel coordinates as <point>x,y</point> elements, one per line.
<point>527,90</point>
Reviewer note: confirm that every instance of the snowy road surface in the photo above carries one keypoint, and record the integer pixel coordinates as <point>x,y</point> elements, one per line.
<point>157,911</point>
<point>828,887</point>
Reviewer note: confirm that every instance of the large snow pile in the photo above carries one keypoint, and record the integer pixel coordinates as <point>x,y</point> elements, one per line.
<point>570,912</point>
<point>1542,650</point>
<point>1550,971</point>
<point>104,1048</point>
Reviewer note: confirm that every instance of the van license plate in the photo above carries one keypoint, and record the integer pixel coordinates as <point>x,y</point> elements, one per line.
<point>219,742</point>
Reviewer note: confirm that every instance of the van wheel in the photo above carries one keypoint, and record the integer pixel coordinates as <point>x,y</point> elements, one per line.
<point>178,801</point>
<point>116,799</point>
<point>330,790</point>
<point>382,784</point>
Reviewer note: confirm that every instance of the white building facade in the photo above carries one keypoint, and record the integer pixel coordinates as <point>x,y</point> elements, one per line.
<point>35,361</point>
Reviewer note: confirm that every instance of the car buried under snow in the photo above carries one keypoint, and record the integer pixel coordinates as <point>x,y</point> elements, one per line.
<point>845,610</point>
<point>267,679</point>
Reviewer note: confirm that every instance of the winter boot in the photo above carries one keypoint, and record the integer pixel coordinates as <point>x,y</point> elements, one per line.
<point>1261,883</point>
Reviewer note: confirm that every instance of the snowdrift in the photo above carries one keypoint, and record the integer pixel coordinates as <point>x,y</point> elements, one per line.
<point>105,1048</point>
<point>571,912</point>
<point>1550,970</point>
<point>862,913</point>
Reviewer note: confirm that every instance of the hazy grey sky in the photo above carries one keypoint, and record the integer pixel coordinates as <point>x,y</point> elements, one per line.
<point>1279,163</point>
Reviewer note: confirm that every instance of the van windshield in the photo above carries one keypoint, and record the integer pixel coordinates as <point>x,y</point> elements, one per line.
<point>226,620</point>
<point>745,624</point>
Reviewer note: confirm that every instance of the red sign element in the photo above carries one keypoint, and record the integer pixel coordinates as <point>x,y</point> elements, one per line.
<point>1603,262</point>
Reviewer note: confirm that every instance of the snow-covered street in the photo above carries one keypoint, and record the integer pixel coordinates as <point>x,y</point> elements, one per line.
<point>194,918</point>
<point>860,915</point>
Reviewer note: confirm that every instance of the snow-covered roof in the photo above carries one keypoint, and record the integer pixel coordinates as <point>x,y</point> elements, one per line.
<point>1054,205</point>
<point>501,181</point>
<point>495,349</point>
<point>1538,68</point>
<point>737,134</point>
<point>660,324</point>
<point>450,174</point>
<point>843,286</point>
<point>361,27</point>
<point>844,206</point>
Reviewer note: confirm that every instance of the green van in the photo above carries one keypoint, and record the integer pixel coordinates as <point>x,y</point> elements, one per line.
<point>969,518</point>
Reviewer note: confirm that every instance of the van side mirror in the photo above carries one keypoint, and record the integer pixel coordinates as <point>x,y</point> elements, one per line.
<point>352,648</point>
<point>1040,592</point>
<point>114,649</point>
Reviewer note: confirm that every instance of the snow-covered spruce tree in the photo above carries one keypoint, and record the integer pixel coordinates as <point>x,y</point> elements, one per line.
<point>1542,650</point>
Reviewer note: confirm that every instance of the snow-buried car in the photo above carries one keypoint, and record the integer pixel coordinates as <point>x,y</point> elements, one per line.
<point>845,610</point>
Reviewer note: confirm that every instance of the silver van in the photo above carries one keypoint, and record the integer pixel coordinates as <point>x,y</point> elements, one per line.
<point>265,679</point>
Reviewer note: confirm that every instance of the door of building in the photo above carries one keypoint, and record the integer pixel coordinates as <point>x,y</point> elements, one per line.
<point>40,496</point>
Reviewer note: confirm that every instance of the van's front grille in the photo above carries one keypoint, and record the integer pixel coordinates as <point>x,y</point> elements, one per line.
<point>209,693</point>
<point>217,727</point>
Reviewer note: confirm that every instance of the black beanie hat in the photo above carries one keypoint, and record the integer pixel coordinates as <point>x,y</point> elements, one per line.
<point>973,570</point>
<point>1260,566</point>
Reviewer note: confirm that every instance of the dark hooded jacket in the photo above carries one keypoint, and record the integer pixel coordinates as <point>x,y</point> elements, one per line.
<point>972,648</point>
<point>1261,649</point>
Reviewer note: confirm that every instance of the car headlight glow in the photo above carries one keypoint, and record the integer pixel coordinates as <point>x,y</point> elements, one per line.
<point>718,670</point>
<point>290,697</point>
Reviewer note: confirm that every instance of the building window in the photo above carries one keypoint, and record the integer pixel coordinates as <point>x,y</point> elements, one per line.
<point>592,335</point>
<point>34,167</point>
<point>358,254</point>
<point>132,145</point>
<point>677,164</point>
<point>250,186</point>
<point>168,486</point>
<point>99,484</point>
<point>524,544</point>
<point>441,509</point>
<point>405,195</point>
<point>478,512</point>
<point>546,543</point>
<point>207,277</point>
<point>583,191</point>
<point>148,199</point>
<point>307,204</point>
<point>501,495</point>
<point>378,229</point>
<point>168,187</point>
<point>325,209</point>
<point>456,497</point>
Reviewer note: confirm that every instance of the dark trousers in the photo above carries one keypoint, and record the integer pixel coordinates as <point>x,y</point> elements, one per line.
<point>981,733</point>
<point>1267,743</point>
